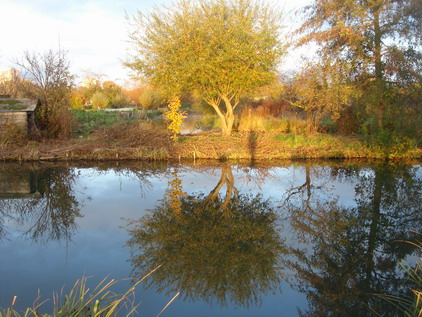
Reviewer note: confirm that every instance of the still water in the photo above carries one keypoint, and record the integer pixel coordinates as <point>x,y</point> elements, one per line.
<point>318,239</point>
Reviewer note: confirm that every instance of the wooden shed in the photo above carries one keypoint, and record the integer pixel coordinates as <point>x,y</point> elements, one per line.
<point>18,112</point>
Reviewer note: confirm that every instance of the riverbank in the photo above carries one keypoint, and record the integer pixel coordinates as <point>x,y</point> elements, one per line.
<point>118,144</point>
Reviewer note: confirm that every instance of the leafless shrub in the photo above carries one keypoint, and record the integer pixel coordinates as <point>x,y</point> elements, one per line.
<point>52,80</point>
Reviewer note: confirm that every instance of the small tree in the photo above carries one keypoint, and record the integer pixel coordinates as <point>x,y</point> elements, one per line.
<point>119,100</point>
<point>218,50</point>
<point>99,100</point>
<point>174,117</point>
<point>321,91</point>
<point>150,98</point>
<point>50,74</point>
<point>76,101</point>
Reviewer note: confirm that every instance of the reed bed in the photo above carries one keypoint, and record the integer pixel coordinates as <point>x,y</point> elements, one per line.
<point>81,301</point>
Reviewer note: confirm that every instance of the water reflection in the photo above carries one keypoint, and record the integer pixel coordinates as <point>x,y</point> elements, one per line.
<point>142,172</point>
<point>355,250</point>
<point>227,244</point>
<point>41,200</point>
<point>211,247</point>
<point>18,182</point>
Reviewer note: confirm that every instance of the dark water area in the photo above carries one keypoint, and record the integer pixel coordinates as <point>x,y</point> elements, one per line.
<point>311,239</point>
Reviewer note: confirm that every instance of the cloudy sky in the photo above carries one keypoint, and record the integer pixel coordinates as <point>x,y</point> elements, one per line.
<point>94,32</point>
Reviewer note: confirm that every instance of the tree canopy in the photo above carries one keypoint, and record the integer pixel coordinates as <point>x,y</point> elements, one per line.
<point>374,43</point>
<point>365,33</point>
<point>218,50</point>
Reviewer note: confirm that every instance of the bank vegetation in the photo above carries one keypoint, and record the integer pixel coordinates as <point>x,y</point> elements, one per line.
<point>358,96</point>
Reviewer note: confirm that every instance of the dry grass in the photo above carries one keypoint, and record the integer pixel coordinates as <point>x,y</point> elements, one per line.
<point>269,146</point>
<point>11,134</point>
<point>140,142</point>
<point>119,142</point>
<point>132,136</point>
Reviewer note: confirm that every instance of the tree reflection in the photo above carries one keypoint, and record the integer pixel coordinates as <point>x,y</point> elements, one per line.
<point>50,210</point>
<point>355,251</point>
<point>222,248</point>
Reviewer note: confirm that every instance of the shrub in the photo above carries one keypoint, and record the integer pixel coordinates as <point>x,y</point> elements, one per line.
<point>119,101</point>
<point>51,80</point>
<point>328,126</point>
<point>259,120</point>
<point>99,100</point>
<point>389,143</point>
<point>150,99</point>
<point>76,101</point>
<point>60,122</point>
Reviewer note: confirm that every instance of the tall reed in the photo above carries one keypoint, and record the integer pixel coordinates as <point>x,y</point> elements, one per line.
<point>411,305</point>
<point>81,301</point>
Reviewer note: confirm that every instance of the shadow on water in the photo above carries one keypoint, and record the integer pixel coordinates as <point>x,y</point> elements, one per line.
<point>222,248</point>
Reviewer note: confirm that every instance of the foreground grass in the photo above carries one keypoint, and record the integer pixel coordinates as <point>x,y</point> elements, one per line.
<point>411,305</point>
<point>147,142</point>
<point>81,301</point>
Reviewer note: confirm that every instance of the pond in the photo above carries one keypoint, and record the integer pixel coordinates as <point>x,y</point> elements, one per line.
<point>297,238</point>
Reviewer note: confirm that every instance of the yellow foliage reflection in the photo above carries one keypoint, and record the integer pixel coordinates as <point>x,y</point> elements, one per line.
<point>210,248</point>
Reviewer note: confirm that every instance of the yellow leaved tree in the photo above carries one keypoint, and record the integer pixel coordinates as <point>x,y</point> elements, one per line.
<point>174,117</point>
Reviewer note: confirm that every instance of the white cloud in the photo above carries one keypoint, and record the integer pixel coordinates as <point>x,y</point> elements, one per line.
<point>94,32</point>
<point>94,37</point>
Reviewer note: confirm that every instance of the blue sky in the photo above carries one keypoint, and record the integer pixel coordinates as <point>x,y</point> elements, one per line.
<point>94,32</point>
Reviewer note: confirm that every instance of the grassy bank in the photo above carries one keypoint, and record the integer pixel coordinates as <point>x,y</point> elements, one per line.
<point>145,142</point>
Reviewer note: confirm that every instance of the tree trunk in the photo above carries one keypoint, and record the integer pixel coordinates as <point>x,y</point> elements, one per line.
<point>379,112</point>
<point>223,120</point>
<point>310,122</point>
<point>229,116</point>
<point>308,183</point>
<point>229,124</point>
<point>225,179</point>
<point>373,230</point>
